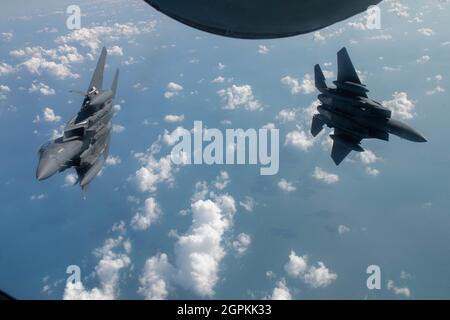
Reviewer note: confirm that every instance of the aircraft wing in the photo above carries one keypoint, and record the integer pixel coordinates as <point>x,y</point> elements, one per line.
<point>97,78</point>
<point>343,144</point>
<point>346,70</point>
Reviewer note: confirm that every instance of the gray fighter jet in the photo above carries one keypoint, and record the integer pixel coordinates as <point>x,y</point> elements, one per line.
<point>86,139</point>
<point>354,116</point>
<point>256,19</point>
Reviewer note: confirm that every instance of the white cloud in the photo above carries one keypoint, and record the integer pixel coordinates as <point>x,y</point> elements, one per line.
<point>343,229</point>
<point>299,140</point>
<point>107,270</point>
<point>248,204</point>
<point>154,279</point>
<point>400,105</point>
<point>368,157</point>
<point>7,36</point>
<point>94,37</point>
<point>115,51</point>
<point>281,291</point>
<point>321,175</point>
<point>5,69</point>
<point>48,115</point>
<point>113,160</point>
<point>286,186</point>
<point>428,32</point>
<point>306,86</point>
<point>70,179</point>
<point>372,171</point>
<point>241,244</point>
<point>434,91</point>
<point>319,276</point>
<point>423,59</point>
<point>42,88</point>
<point>237,96</point>
<point>262,49</point>
<point>171,118</point>
<point>4,89</point>
<point>37,197</point>
<point>153,172</point>
<point>147,215</point>
<point>286,115</point>
<point>219,79</point>
<point>403,291</point>
<point>222,180</point>
<point>117,128</point>
<point>296,266</point>
<point>173,90</point>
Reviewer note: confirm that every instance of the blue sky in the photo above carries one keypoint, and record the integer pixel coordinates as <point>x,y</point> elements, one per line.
<point>150,229</point>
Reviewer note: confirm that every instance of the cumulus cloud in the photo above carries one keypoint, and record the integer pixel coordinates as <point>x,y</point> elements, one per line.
<point>42,88</point>
<point>113,160</point>
<point>402,291</point>
<point>56,62</point>
<point>173,89</point>
<point>401,106</point>
<point>70,179</point>
<point>5,69</point>
<point>305,86</point>
<point>153,281</point>
<point>297,265</point>
<point>286,115</point>
<point>428,32</point>
<point>222,180</point>
<point>199,251</point>
<point>115,51</point>
<point>239,96</point>
<point>262,49</point>
<point>117,128</point>
<point>423,59</point>
<point>48,115</point>
<point>4,90</point>
<point>153,172</point>
<point>241,244</point>
<point>248,204</point>
<point>108,270</point>
<point>322,175</point>
<point>147,215</point>
<point>286,186</point>
<point>171,118</point>
<point>343,229</point>
<point>281,291</point>
<point>319,276</point>
<point>94,37</point>
<point>299,140</point>
<point>315,276</point>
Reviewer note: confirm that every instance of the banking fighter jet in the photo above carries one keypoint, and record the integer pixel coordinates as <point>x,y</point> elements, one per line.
<point>86,139</point>
<point>353,115</point>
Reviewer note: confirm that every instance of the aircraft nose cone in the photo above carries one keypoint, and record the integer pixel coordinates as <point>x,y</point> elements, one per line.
<point>46,168</point>
<point>417,137</point>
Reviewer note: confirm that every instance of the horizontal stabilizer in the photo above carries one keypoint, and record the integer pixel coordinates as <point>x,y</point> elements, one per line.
<point>343,144</point>
<point>316,125</point>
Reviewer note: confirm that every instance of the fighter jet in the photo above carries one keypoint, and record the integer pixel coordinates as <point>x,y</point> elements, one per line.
<point>256,19</point>
<point>353,115</point>
<point>86,139</point>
